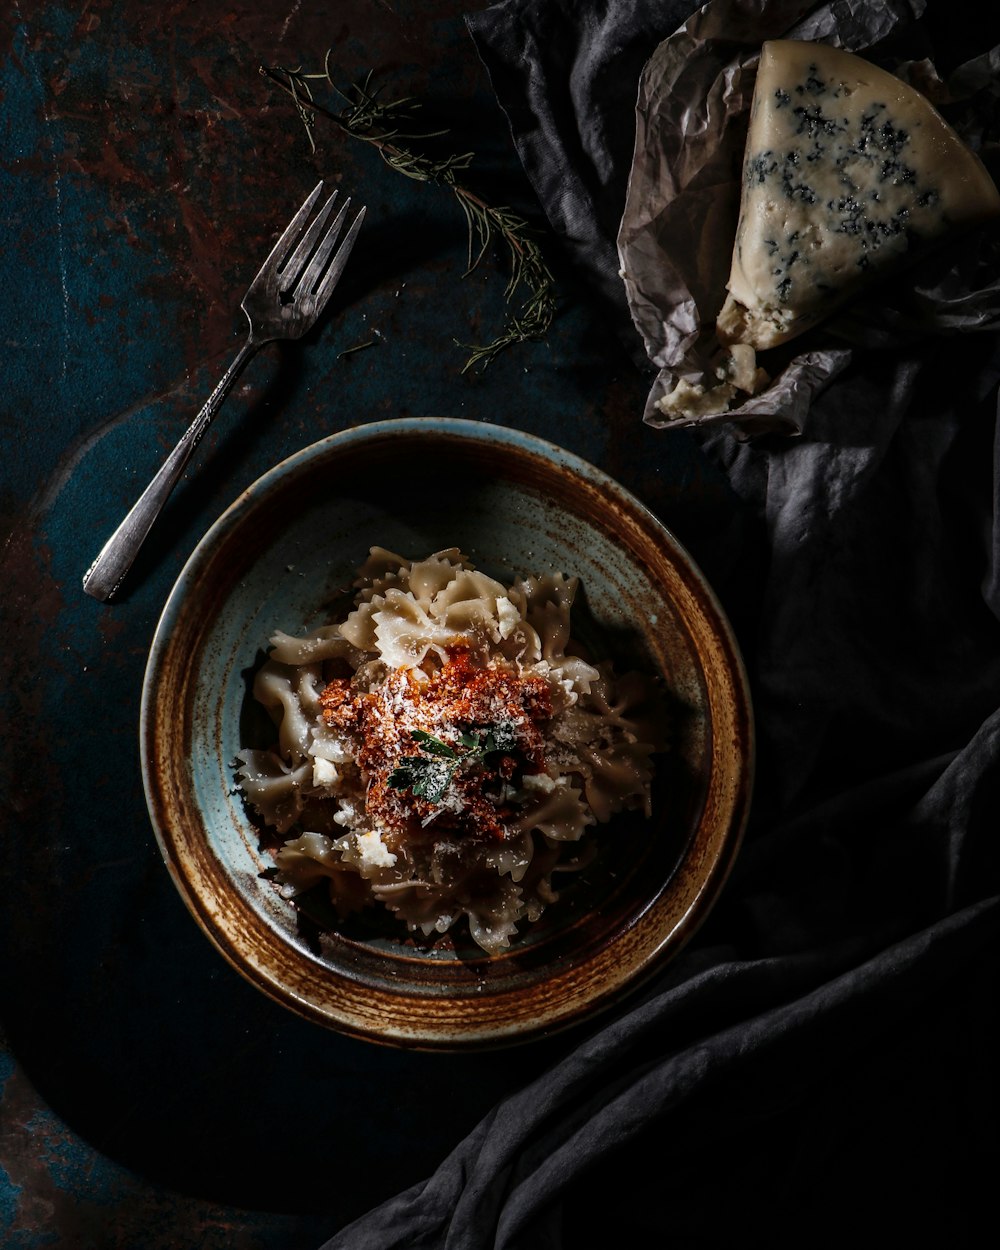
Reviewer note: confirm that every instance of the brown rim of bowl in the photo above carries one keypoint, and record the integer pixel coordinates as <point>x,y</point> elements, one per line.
<point>456,1013</point>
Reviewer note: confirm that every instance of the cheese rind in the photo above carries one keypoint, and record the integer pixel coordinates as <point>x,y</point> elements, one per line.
<point>848,174</point>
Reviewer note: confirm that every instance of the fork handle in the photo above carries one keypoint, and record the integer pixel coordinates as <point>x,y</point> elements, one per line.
<point>117,555</point>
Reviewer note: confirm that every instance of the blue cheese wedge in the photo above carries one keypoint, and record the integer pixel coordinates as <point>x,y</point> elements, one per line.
<point>848,174</point>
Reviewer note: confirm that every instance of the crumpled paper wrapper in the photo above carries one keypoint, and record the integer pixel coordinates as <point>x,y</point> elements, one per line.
<point>676,235</point>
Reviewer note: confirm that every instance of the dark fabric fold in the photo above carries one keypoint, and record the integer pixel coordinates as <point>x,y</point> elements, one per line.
<point>566,74</point>
<point>507,1184</point>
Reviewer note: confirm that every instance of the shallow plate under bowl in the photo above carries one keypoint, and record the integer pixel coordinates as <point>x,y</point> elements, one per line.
<point>279,558</point>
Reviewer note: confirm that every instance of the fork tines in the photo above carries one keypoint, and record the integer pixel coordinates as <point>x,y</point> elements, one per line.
<point>306,262</point>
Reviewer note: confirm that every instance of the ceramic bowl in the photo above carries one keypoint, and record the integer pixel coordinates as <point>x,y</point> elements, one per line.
<point>279,558</point>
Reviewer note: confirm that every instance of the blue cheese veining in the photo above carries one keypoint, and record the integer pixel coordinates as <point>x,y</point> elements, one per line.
<point>848,173</point>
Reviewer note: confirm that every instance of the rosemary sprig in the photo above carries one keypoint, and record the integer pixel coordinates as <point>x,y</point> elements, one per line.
<point>429,775</point>
<point>388,126</point>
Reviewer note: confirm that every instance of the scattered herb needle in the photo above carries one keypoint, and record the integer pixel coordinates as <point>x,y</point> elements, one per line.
<point>358,347</point>
<point>386,125</point>
<point>429,775</point>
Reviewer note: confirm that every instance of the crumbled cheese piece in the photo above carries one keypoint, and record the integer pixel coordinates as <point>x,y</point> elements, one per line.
<point>560,681</point>
<point>739,366</point>
<point>693,399</point>
<point>848,172</point>
<point>540,782</point>
<point>324,773</point>
<point>348,815</point>
<point>373,851</point>
<point>508,617</point>
<point>735,375</point>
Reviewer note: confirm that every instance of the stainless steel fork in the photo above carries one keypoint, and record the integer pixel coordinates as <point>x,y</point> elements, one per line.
<point>283,302</point>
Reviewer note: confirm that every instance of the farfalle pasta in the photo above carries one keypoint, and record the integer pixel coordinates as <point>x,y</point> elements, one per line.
<point>443,751</point>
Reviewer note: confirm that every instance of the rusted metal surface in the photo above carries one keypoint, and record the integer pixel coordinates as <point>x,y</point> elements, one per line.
<point>151,1097</point>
